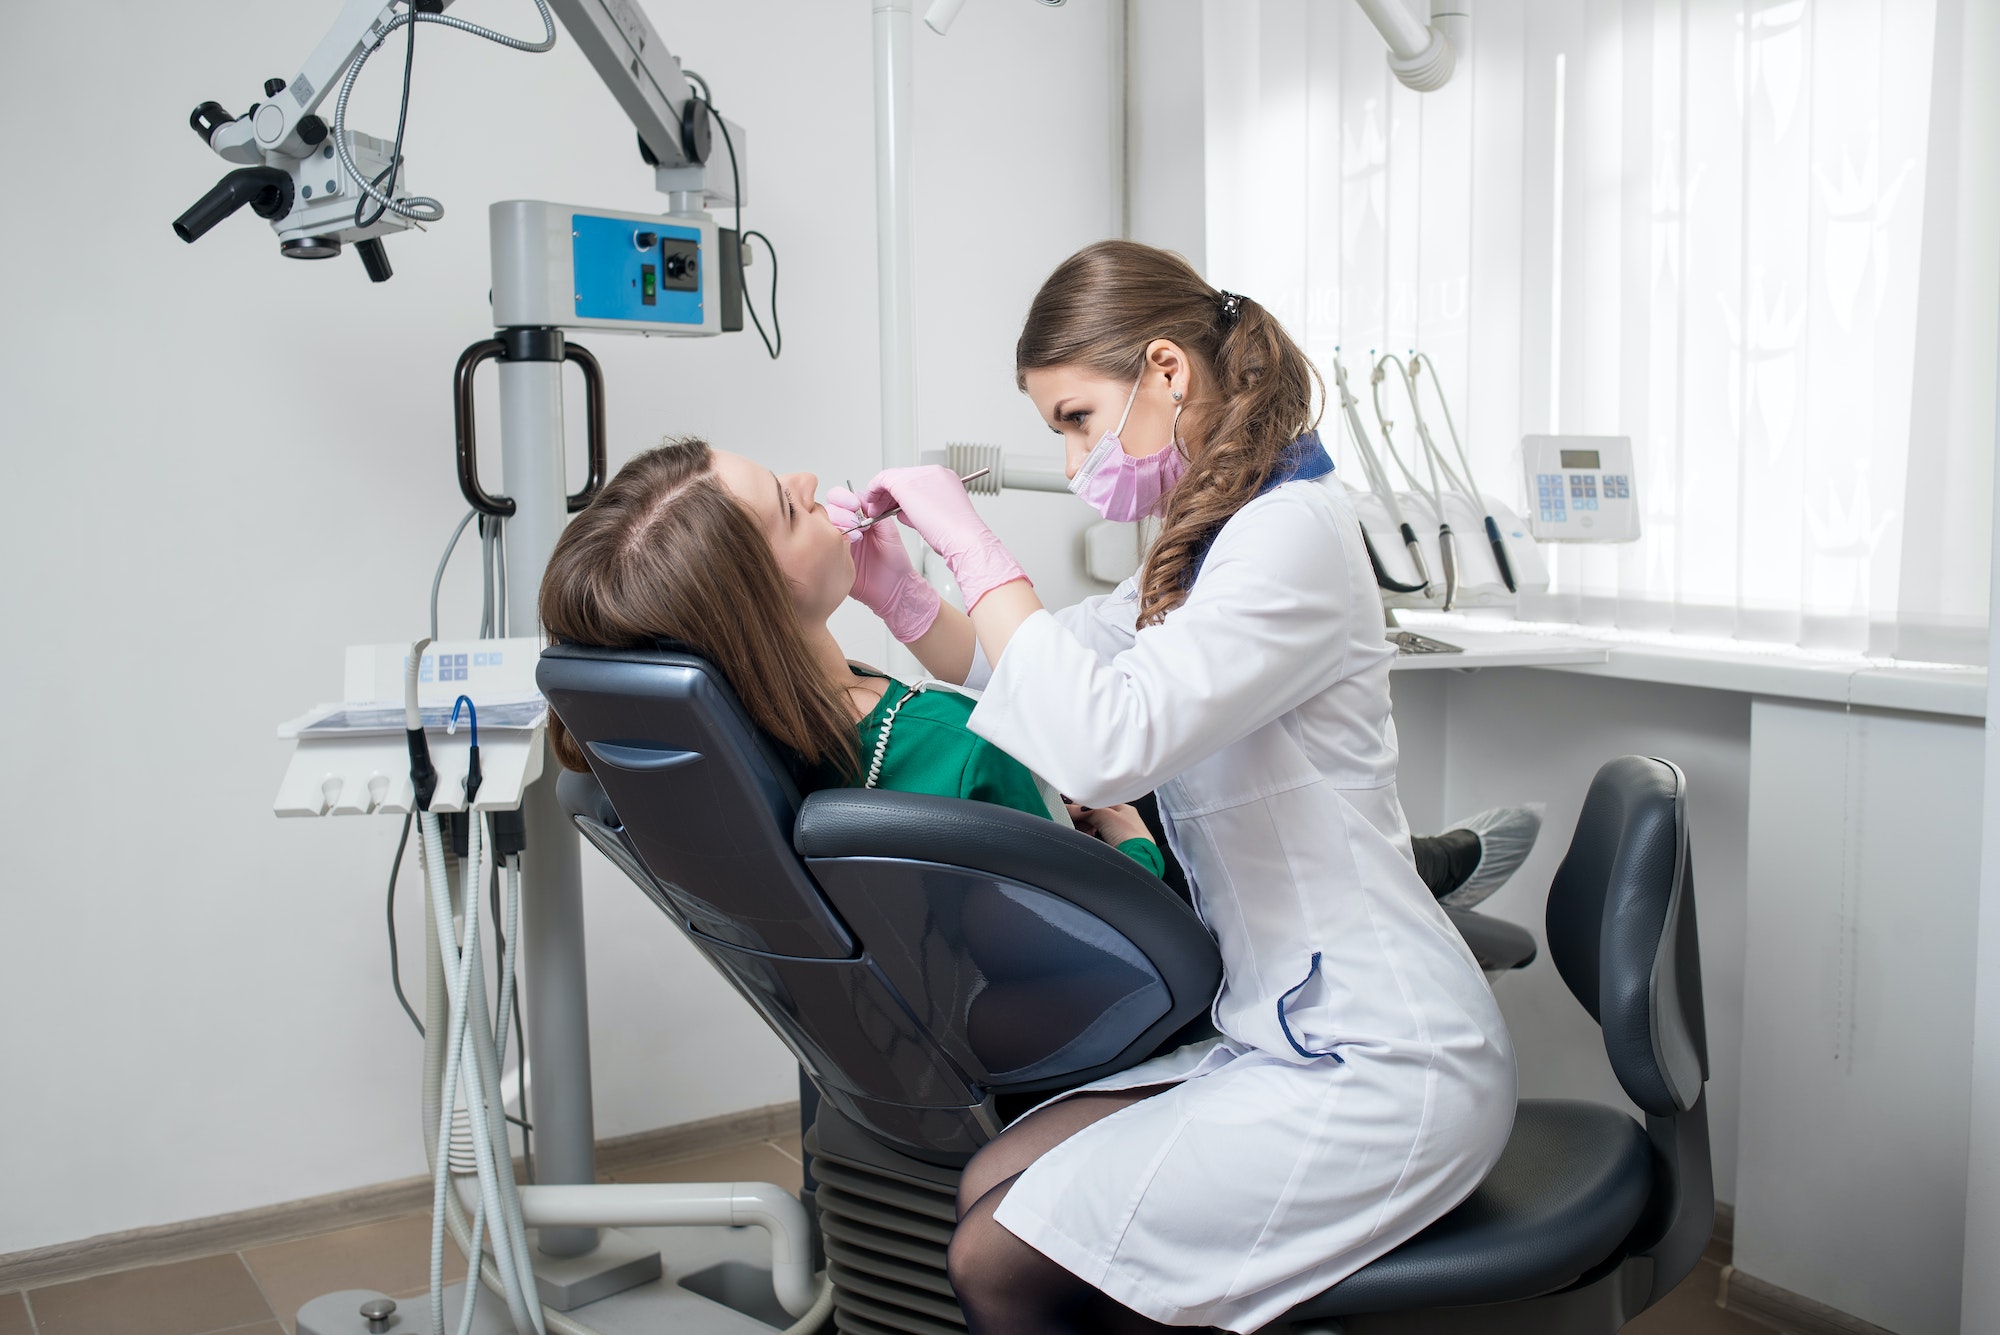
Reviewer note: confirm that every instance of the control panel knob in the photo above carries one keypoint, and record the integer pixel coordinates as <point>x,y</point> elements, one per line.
<point>272,87</point>
<point>678,266</point>
<point>378,1312</point>
<point>646,240</point>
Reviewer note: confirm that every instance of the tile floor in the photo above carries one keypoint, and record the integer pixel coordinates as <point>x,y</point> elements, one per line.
<point>258,1290</point>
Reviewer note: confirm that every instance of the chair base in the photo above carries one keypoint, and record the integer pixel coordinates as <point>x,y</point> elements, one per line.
<point>1596,1306</point>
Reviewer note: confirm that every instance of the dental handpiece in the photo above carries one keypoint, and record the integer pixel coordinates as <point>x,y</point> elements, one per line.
<point>870,519</point>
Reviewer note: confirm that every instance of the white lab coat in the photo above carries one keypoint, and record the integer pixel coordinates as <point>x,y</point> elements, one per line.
<point>1364,1081</point>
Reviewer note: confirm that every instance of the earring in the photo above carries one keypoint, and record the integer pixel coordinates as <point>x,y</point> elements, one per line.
<point>1177,396</point>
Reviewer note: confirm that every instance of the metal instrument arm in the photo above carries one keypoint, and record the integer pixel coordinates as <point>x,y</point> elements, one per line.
<point>642,74</point>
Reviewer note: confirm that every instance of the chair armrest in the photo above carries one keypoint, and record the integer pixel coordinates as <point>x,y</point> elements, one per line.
<point>999,841</point>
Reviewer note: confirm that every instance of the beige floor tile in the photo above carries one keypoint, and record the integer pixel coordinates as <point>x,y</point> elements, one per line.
<point>787,1147</point>
<point>14,1315</point>
<point>1690,1310</point>
<point>760,1162</point>
<point>393,1257</point>
<point>187,1298</point>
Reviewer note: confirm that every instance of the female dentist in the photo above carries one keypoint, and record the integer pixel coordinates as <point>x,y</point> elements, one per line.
<point>1363,1082</point>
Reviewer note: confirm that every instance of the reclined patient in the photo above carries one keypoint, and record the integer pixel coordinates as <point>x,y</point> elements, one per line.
<point>697,545</point>
<point>707,548</point>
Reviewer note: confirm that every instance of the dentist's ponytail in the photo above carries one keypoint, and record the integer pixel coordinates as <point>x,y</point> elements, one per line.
<point>1102,307</point>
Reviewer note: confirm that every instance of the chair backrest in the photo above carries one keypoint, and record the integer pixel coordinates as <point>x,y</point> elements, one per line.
<point>921,956</point>
<point>1621,926</point>
<point>708,801</point>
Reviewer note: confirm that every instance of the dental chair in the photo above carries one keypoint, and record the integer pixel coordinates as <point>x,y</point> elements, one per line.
<point>938,967</point>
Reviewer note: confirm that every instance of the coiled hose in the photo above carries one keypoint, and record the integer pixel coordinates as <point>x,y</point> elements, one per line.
<point>418,208</point>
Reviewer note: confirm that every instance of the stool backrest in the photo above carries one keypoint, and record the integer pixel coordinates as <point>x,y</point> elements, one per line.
<point>1621,926</point>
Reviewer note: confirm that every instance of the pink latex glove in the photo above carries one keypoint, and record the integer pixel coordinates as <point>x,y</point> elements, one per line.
<point>884,580</point>
<point>936,506</point>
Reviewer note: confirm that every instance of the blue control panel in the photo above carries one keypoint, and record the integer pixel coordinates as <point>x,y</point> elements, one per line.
<point>647,272</point>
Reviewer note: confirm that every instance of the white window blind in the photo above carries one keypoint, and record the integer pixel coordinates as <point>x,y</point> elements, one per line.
<point>1758,238</point>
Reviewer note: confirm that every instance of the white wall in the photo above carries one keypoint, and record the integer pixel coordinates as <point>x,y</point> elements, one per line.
<point>221,467</point>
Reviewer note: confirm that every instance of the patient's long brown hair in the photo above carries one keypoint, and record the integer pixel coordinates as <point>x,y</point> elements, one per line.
<point>1101,308</point>
<point>666,552</point>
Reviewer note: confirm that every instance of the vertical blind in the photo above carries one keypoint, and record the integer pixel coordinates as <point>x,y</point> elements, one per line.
<point>1757,238</point>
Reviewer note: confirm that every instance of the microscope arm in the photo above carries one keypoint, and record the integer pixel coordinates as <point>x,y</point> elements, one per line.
<point>627,53</point>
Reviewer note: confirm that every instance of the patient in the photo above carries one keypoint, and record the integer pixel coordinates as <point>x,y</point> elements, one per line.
<point>704,547</point>
<point>707,548</point>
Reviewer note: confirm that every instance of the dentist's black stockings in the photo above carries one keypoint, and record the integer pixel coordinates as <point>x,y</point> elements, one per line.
<point>1005,1286</point>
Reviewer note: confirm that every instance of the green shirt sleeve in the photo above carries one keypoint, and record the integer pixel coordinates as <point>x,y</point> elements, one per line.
<point>1146,853</point>
<point>991,775</point>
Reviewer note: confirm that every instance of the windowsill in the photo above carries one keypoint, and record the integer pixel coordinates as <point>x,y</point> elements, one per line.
<point>1731,665</point>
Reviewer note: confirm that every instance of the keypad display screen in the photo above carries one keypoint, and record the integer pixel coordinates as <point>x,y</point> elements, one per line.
<point>1581,459</point>
<point>1560,494</point>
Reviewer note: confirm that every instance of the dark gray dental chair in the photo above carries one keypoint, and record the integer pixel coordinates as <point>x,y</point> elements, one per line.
<point>938,967</point>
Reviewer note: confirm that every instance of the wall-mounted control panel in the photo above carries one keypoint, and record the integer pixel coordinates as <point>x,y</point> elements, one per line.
<point>1580,488</point>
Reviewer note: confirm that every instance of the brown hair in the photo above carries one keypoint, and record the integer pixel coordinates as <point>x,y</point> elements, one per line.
<point>1101,308</point>
<point>665,552</point>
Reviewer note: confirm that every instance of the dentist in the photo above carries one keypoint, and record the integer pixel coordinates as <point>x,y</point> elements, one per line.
<point>1362,1083</point>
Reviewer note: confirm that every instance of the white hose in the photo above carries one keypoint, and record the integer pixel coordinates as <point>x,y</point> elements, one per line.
<point>1461,482</point>
<point>471,1060</point>
<point>1447,551</point>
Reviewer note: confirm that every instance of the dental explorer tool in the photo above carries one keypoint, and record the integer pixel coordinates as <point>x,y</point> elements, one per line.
<point>870,519</point>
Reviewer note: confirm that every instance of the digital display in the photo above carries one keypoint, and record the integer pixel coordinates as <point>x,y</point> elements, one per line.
<point>1581,459</point>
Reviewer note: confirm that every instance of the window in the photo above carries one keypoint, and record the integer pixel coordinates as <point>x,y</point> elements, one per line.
<point>1758,238</point>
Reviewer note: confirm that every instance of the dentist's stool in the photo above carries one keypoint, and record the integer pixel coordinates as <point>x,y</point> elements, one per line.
<point>1588,1219</point>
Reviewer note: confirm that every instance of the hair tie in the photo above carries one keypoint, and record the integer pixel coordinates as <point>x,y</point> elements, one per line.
<point>1232,308</point>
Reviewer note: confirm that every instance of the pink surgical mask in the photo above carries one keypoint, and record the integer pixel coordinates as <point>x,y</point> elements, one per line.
<point>1123,488</point>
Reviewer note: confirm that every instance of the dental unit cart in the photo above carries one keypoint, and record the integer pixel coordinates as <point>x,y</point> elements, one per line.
<point>556,268</point>
<point>1580,488</point>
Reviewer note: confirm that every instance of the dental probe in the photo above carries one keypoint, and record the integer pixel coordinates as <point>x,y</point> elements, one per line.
<point>865,522</point>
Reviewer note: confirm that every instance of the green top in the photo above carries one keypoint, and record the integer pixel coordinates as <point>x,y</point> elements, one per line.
<point>931,750</point>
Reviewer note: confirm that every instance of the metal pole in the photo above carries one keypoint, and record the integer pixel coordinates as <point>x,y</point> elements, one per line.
<point>894,262</point>
<point>557,1010</point>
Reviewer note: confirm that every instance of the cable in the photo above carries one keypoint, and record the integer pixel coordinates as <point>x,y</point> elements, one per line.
<point>1447,548</point>
<point>395,960</point>
<point>1466,485</point>
<point>742,237</point>
<point>444,560</point>
<point>418,208</point>
<point>500,566</point>
<point>402,120</point>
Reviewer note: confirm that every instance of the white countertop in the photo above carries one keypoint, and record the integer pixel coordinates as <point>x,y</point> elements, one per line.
<point>1485,648</point>
<point>1725,665</point>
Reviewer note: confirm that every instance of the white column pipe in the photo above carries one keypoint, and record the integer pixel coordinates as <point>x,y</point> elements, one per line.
<point>682,1204</point>
<point>1419,54</point>
<point>894,263</point>
<point>1406,37</point>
